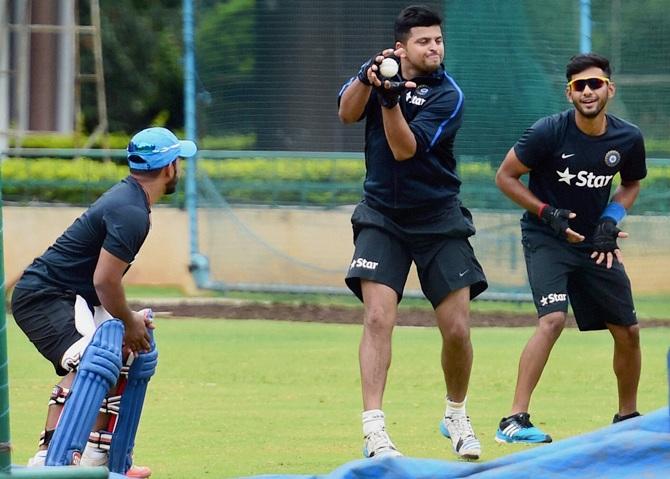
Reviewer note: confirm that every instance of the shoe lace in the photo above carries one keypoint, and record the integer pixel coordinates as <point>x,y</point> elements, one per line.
<point>379,440</point>
<point>462,426</point>
<point>523,419</point>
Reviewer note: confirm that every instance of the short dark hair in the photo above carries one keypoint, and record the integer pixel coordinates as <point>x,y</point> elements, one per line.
<point>414,16</point>
<point>581,62</point>
<point>153,174</point>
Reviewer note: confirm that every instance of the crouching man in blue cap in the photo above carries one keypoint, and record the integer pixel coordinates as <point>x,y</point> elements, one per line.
<point>71,304</point>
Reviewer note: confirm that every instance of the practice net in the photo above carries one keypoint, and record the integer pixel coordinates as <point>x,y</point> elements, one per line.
<point>274,216</point>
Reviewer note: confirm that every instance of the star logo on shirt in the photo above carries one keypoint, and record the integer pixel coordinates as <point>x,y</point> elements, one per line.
<point>543,301</point>
<point>565,175</point>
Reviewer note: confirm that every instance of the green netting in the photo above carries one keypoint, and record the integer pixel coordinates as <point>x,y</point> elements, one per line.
<point>636,37</point>
<point>269,71</point>
<point>269,74</point>
<point>5,443</point>
<point>510,73</point>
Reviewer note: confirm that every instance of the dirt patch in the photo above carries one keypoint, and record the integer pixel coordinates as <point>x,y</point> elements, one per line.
<point>232,309</point>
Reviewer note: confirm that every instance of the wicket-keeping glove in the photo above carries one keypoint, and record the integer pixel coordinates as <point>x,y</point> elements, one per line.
<point>556,218</point>
<point>605,235</point>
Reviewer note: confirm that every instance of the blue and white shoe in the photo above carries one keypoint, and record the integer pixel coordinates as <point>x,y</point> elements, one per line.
<point>378,444</point>
<point>463,439</point>
<point>518,428</point>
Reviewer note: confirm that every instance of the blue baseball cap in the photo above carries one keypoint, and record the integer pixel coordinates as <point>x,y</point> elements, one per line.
<point>154,148</point>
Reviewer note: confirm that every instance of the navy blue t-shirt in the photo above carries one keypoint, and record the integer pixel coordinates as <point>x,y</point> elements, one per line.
<point>118,221</point>
<point>574,171</point>
<point>434,111</point>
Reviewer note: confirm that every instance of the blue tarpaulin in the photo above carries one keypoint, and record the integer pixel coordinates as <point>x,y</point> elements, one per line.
<point>637,448</point>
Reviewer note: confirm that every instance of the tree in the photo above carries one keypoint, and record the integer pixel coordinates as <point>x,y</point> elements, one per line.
<point>142,52</point>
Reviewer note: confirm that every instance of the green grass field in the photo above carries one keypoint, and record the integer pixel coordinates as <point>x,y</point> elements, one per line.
<point>241,398</point>
<point>648,306</point>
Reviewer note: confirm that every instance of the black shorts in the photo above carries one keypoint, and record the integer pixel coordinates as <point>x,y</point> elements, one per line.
<point>47,317</point>
<point>560,273</point>
<point>444,258</point>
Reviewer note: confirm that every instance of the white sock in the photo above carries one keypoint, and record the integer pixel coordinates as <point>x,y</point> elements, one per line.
<point>38,459</point>
<point>373,420</point>
<point>455,408</point>
<point>94,456</point>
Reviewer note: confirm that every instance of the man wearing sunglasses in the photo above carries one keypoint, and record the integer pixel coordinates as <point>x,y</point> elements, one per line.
<point>570,231</point>
<point>71,304</point>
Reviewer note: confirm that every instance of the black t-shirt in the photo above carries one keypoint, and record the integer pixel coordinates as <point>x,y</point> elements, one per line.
<point>428,181</point>
<point>118,222</point>
<point>574,171</point>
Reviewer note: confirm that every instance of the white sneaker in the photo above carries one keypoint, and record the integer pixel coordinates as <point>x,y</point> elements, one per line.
<point>38,459</point>
<point>378,444</point>
<point>463,439</point>
<point>94,456</point>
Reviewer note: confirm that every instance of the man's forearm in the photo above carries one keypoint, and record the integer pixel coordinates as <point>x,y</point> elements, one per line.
<point>113,298</point>
<point>515,190</point>
<point>626,194</point>
<point>399,135</point>
<point>353,101</point>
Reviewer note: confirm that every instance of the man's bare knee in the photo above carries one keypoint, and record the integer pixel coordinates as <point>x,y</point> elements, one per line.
<point>552,324</point>
<point>378,318</point>
<point>453,316</point>
<point>626,336</point>
<point>456,329</point>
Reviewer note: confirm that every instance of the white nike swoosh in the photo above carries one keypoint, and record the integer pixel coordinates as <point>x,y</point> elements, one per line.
<point>463,273</point>
<point>564,156</point>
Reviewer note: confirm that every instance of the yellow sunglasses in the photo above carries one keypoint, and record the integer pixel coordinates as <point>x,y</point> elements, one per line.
<point>593,83</point>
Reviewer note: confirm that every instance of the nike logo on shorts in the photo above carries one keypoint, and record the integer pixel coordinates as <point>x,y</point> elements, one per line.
<point>564,156</point>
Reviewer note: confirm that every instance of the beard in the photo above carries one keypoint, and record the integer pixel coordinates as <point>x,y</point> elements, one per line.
<point>594,112</point>
<point>427,67</point>
<point>171,187</point>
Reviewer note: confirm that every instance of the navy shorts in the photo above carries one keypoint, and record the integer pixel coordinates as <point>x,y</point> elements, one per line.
<point>438,246</point>
<point>560,274</point>
<point>47,317</point>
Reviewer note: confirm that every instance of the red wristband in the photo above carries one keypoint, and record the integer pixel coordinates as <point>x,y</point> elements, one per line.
<point>541,209</point>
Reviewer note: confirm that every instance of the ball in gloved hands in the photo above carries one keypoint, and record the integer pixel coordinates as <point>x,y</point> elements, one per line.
<point>388,68</point>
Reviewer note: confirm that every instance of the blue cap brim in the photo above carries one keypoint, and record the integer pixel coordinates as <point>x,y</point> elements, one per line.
<point>155,161</point>
<point>156,147</point>
<point>187,148</point>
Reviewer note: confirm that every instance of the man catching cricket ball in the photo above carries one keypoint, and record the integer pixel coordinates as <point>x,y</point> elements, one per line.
<point>411,213</point>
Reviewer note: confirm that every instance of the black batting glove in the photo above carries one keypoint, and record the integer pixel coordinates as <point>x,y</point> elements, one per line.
<point>556,218</point>
<point>363,71</point>
<point>389,97</point>
<point>605,236</point>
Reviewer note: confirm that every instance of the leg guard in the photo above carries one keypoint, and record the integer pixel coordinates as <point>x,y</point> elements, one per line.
<point>132,400</point>
<point>98,371</point>
<point>97,449</point>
